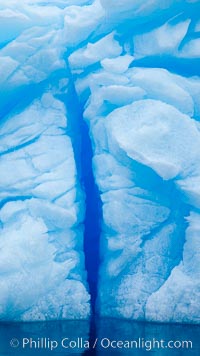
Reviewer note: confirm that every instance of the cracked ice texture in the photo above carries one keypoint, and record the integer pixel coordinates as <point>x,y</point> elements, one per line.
<point>142,107</point>
<point>42,205</point>
<point>42,261</point>
<point>135,66</point>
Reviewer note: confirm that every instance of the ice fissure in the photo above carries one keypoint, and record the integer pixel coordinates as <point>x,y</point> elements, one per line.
<point>99,160</point>
<point>93,218</point>
<point>82,148</point>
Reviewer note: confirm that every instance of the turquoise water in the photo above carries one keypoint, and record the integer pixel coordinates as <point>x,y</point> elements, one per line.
<point>75,337</point>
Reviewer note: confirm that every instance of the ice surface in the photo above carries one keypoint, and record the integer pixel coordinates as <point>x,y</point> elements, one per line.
<point>104,48</point>
<point>142,109</point>
<point>166,39</point>
<point>134,129</point>
<point>42,262</point>
<point>117,65</point>
<point>191,49</point>
<point>184,279</point>
<point>131,70</point>
<point>163,85</point>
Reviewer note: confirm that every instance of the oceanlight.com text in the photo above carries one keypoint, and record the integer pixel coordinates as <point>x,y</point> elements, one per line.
<point>100,343</point>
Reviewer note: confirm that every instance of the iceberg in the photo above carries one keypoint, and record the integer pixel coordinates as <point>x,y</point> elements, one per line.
<point>99,96</point>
